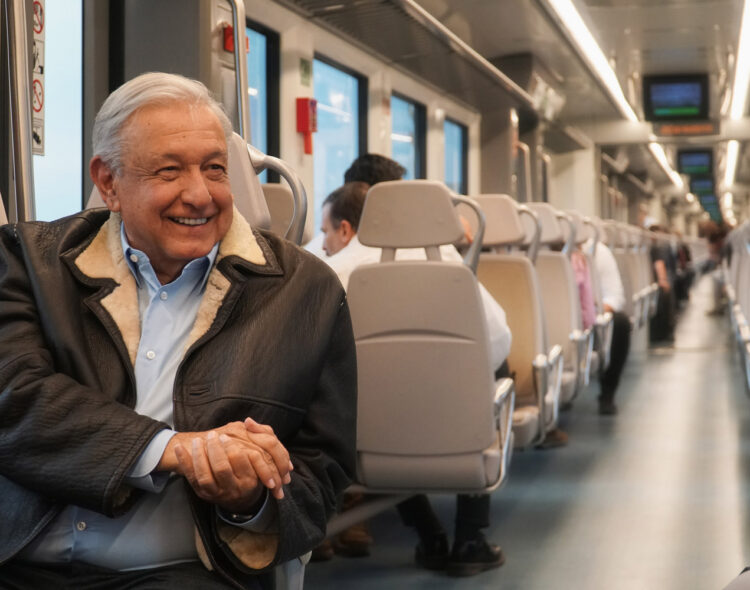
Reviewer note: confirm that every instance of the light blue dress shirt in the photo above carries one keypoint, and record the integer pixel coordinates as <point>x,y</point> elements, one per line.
<point>158,530</point>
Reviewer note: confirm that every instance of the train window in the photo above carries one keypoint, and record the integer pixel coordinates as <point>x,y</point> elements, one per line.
<point>342,115</point>
<point>263,90</point>
<point>58,180</point>
<point>408,125</point>
<point>456,156</point>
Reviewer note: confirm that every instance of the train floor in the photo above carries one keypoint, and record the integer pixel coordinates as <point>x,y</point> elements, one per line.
<point>654,498</point>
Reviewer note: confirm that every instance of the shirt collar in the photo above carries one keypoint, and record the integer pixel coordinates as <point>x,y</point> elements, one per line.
<point>197,270</point>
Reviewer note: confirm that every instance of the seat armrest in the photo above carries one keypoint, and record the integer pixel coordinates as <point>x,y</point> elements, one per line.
<point>541,385</point>
<point>579,340</point>
<point>504,404</point>
<point>603,329</point>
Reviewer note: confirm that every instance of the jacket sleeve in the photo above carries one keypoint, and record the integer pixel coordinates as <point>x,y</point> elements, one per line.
<point>66,441</point>
<point>324,450</point>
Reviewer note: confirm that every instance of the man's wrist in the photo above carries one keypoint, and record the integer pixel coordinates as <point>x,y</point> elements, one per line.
<point>248,513</point>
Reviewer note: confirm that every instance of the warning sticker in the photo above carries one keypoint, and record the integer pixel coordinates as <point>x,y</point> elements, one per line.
<point>37,55</point>
<point>37,137</point>
<point>38,17</point>
<point>37,87</point>
<point>38,96</point>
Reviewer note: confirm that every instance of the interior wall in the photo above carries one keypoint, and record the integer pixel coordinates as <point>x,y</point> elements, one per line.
<point>300,40</point>
<point>574,182</point>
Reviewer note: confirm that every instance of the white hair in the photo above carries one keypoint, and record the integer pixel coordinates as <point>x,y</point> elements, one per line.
<point>154,88</point>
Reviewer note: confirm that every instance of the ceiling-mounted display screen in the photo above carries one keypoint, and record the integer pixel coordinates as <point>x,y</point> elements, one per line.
<point>695,162</point>
<point>675,98</point>
<point>702,186</point>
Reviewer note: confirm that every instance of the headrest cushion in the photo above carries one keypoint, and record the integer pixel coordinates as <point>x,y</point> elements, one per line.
<point>409,214</point>
<point>551,231</point>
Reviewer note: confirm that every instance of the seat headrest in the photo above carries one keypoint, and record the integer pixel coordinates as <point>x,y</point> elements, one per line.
<point>504,225</point>
<point>409,214</point>
<point>246,188</point>
<point>551,231</point>
<point>583,230</point>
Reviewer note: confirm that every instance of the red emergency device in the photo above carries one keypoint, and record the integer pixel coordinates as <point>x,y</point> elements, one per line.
<point>307,120</point>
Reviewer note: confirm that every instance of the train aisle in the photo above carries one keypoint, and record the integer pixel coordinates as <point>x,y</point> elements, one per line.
<point>652,499</point>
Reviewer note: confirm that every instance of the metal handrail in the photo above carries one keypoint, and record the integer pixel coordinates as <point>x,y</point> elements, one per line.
<point>20,111</point>
<point>571,239</point>
<point>526,170</point>
<point>536,238</point>
<point>471,259</point>
<point>240,68</point>
<point>595,241</point>
<point>260,162</point>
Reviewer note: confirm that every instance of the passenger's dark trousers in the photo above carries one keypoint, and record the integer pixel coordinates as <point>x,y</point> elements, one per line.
<point>472,514</point>
<point>610,379</point>
<point>80,576</point>
<point>663,323</point>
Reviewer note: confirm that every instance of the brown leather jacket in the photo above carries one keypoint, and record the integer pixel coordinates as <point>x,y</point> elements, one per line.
<point>272,340</point>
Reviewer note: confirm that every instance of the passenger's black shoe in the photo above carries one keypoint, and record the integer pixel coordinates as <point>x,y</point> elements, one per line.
<point>434,554</point>
<point>472,557</point>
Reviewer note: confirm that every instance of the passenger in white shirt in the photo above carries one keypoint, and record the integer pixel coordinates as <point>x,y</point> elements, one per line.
<point>471,552</point>
<point>613,301</point>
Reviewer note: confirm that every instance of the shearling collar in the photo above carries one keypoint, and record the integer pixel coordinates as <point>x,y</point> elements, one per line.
<point>103,258</point>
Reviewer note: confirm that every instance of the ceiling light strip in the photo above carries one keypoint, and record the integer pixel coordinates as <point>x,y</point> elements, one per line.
<point>741,68</point>
<point>581,37</point>
<point>657,150</point>
<point>733,152</point>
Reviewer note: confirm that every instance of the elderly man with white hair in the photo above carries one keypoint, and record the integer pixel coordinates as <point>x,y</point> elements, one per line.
<point>175,386</point>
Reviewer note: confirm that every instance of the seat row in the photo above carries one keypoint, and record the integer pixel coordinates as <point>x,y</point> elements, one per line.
<point>735,272</point>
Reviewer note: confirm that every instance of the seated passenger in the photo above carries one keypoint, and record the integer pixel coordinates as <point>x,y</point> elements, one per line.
<point>471,553</point>
<point>613,301</point>
<point>166,398</point>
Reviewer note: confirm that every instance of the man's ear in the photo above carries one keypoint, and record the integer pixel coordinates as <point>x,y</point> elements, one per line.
<point>104,179</point>
<point>347,231</point>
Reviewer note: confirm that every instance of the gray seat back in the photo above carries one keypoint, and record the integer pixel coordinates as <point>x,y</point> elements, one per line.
<point>422,349</point>
<point>512,281</point>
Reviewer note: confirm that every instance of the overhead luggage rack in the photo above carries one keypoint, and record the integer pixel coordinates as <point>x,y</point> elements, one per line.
<point>405,35</point>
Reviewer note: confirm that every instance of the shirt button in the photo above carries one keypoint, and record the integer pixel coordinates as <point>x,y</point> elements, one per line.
<point>163,295</point>
<point>133,258</point>
<point>150,355</point>
<point>81,526</point>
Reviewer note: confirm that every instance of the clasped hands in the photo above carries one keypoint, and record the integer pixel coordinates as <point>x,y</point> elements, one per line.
<point>229,466</point>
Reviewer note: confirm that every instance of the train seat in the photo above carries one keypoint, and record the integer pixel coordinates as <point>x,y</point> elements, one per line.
<point>3,216</point>
<point>647,289</point>
<point>561,299</point>
<point>430,415</point>
<point>618,241</point>
<point>587,239</point>
<point>511,279</point>
<point>280,203</point>
<point>604,326</point>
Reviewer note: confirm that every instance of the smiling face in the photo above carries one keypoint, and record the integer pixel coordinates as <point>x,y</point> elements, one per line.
<point>172,190</point>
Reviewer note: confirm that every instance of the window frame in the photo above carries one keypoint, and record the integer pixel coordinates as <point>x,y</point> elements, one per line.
<point>464,182</point>
<point>362,97</point>
<point>273,88</point>
<point>420,129</point>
